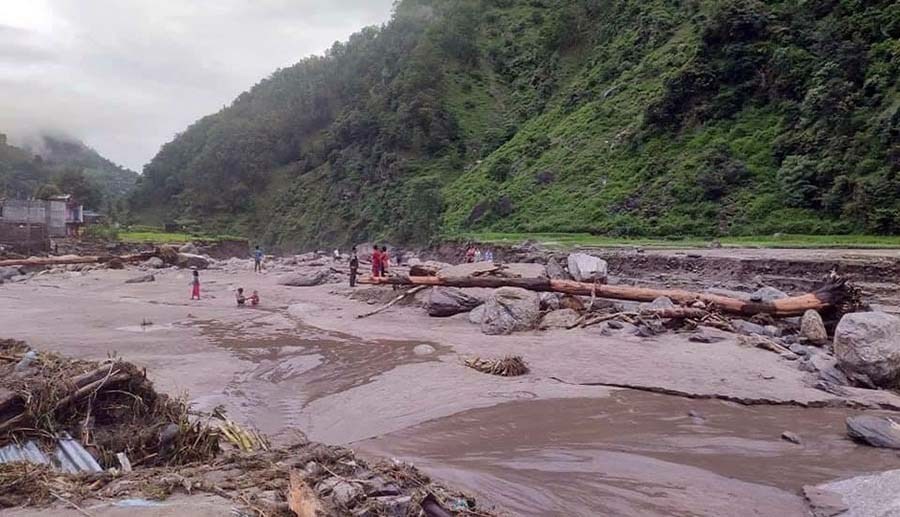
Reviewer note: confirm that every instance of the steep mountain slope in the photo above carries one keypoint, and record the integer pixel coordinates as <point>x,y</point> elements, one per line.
<point>57,162</point>
<point>624,117</point>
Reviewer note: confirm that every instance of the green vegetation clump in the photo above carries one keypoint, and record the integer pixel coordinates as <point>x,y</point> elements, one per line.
<point>622,118</point>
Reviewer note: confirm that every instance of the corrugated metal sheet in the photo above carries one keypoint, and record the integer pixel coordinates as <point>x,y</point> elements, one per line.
<point>72,458</point>
<point>69,457</point>
<point>27,453</point>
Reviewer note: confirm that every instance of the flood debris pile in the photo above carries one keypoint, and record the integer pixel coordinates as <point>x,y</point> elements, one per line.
<point>148,445</point>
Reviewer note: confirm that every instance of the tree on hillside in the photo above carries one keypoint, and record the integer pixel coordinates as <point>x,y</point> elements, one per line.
<point>75,183</point>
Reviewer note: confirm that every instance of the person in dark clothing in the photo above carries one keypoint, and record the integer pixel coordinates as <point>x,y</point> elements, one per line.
<point>240,298</point>
<point>354,267</point>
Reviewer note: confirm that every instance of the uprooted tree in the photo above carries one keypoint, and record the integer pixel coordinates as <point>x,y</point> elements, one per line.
<point>834,294</point>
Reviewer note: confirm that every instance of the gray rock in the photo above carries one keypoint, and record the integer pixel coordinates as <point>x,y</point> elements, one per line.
<point>791,437</point>
<point>556,271</point>
<point>877,431</point>
<point>587,268</point>
<point>427,268</point>
<point>824,503</point>
<point>141,279</point>
<point>154,263</point>
<point>739,295</point>
<point>813,328</point>
<point>305,279</point>
<point>747,328</point>
<point>767,294</point>
<point>189,248</point>
<point>790,356</point>
<point>7,273</point>
<point>423,350</point>
<point>467,270</point>
<point>626,306</point>
<point>869,343</point>
<point>799,349</point>
<point>662,302</point>
<point>341,491</point>
<point>549,301</point>
<point>868,496</point>
<point>510,309</point>
<point>702,337</point>
<point>447,301</point>
<point>561,319</point>
<point>192,261</point>
<point>476,315</point>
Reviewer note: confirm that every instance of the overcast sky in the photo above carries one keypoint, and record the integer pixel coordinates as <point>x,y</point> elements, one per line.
<point>126,75</point>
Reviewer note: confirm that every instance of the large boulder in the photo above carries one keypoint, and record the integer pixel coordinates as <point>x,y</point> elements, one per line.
<point>189,248</point>
<point>305,279</point>
<point>427,268</point>
<point>555,271</point>
<point>523,270</point>
<point>868,343</point>
<point>447,301</point>
<point>813,328</point>
<point>587,268</point>
<point>510,309</point>
<point>561,319</point>
<point>476,315</point>
<point>154,263</point>
<point>877,431</point>
<point>189,260</point>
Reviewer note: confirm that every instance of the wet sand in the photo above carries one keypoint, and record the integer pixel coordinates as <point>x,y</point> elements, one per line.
<point>554,441</point>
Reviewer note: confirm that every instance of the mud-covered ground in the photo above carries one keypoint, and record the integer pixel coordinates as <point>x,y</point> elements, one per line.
<point>564,439</point>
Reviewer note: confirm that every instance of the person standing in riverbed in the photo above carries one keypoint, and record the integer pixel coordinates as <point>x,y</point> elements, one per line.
<point>354,267</point>
<point>257,260</point>
<point>195,285</point>
<point>376,262</point>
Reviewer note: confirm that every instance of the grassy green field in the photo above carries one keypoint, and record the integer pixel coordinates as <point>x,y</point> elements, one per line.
<point>156,237</point>
<point>566,240</point>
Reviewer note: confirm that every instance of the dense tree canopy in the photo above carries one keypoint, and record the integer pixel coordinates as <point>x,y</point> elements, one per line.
<point>624,117</point>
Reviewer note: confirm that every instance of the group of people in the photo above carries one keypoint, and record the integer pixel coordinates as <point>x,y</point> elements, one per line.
<point>241,299</point>
<point>381,262</point>
<point>474,254</point>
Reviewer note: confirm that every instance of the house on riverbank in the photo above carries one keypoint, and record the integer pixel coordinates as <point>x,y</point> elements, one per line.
<point>31,223</point>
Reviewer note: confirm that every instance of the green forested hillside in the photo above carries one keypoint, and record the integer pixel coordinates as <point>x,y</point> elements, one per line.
<point>49,165</point>
<point>619,117</point>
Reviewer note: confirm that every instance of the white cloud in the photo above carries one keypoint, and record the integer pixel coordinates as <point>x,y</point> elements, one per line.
<point>126,75</point>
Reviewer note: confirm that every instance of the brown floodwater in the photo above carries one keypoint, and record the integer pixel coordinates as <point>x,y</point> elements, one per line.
<point>636,453</point>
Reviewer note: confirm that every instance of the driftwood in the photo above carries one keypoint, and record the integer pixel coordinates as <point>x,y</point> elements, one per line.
<point>832,294</point>
<point>395,301</point>
<point>66,260</point>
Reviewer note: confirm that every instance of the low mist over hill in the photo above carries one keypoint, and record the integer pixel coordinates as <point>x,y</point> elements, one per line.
<point>621,117</point>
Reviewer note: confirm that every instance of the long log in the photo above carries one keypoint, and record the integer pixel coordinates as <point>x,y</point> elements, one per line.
<point>67,260</point>
<point>832,294</point>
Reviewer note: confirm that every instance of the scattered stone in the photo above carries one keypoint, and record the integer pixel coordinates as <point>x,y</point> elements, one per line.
<point>662,302</point>
<point>791,437</point>
<point>141,279</point>
<point>510,309</point>
<point>813,328</point>
<point>154,263</point>
<point>476,315</point>
<point>555,271</point>
<point>447,301</point>
<point>7,273</point>
<point>423,350</point>
<point>191,261</point>
<point>790,356</point>
<point>877,431</point>
<point>115,263</point>
<point>341,491</point>
<point>824,503</point>
<point>615,325</point>
<point>549,301</point>
<point>748,329</point>
<point>869,343</point>
<point>767,294</point>
<point>705,338</point>
<point>189,248</point>
<point>305,279</point>
<point>561,319</point>
<point>587,268</point>
<point>799,349</point>
<point>729,293</point>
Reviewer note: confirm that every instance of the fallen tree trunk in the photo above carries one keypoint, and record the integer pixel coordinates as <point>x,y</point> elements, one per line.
<point>396,300</point>
<point>67,260</point>
<point>831,295</point>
